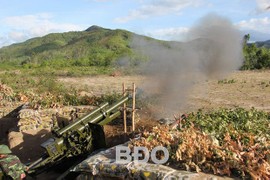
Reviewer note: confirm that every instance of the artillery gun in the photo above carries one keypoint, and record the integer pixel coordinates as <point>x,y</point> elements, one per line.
<point>82,136</point>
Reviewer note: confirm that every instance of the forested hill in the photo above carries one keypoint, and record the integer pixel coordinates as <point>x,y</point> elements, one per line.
<point>263,44</point>
<point>100,47</point>
<point>96,46</point>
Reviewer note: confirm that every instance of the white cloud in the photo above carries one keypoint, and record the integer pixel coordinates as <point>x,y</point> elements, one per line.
<point>157,8</point>
<point>261,25</point>
<point>29,26</point>
<point>178,33</point>
<point>263,5</point>
<point>3,41</point>
<point>17,36</point>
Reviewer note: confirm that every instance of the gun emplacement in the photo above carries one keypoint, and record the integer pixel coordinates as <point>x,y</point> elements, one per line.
<point>82,136</point>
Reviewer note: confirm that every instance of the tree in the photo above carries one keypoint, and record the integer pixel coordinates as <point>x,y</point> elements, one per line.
<point>255,57</point>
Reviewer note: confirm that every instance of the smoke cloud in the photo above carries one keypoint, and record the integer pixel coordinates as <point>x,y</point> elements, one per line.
<point>214,49</point>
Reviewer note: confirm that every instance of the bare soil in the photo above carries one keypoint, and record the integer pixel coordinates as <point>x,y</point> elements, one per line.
<point>247,89</point>
<point>98,85</point>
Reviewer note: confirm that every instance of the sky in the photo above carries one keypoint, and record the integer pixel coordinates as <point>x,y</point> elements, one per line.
<point>160,19</point>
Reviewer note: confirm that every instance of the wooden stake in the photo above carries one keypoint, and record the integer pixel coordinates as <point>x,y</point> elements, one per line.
<point>125,110</point>
<point>133,107</point>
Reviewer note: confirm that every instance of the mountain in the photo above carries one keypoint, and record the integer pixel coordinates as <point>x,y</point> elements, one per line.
<point>94,46</point>
<point>263,44</point>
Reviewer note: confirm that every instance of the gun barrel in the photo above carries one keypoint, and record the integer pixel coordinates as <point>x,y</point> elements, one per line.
<point>73,124</point>
<point>112,108</point>
<point>91,116</point>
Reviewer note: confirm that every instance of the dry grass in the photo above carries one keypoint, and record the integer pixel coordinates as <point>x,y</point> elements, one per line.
<point>249,89</point>
<point>102,84</point>
<point>240,89</point>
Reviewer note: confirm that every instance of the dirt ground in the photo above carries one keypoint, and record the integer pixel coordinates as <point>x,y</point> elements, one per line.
<point>240,89</point>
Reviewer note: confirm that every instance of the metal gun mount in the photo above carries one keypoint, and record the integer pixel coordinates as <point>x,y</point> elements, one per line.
<point>82,136</point>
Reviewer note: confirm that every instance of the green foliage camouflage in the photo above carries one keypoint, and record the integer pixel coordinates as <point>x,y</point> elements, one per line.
<point>236,122</point>
<point>224,142</point>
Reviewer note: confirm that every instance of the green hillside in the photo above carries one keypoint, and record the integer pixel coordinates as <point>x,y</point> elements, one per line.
<point>95,46</point>
<point>101,48</point>
<point>263,44</point>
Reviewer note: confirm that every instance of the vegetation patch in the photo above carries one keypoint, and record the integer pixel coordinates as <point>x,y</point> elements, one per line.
<point>227,81</point>
<point>45,91</point>
<point>225,142</point>
<point>255,57</point>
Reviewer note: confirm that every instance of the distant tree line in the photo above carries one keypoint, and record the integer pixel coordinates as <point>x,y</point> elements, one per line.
<point>255,57</point>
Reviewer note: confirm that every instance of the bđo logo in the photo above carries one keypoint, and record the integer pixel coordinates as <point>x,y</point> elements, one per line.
<point>140,154</point>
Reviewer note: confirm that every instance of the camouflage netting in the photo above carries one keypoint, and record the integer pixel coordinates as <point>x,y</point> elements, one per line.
<point>7,103</point>
<point>104,165</point>
<point>6,92</point>
<point>42,118</point>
